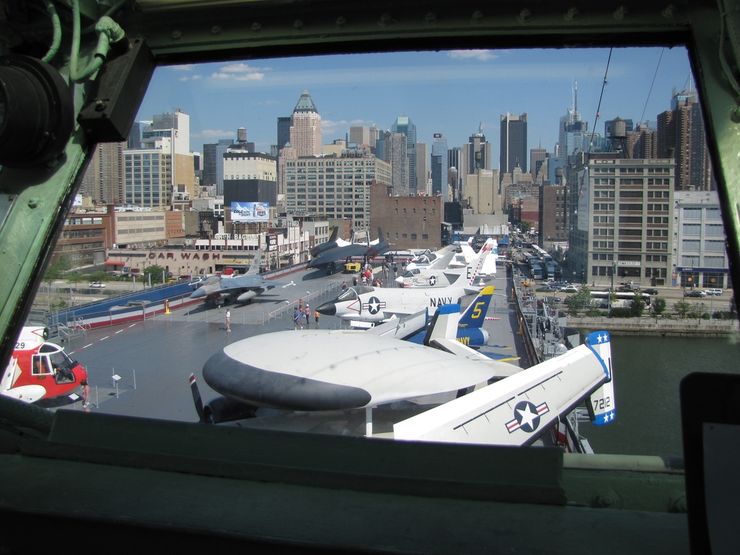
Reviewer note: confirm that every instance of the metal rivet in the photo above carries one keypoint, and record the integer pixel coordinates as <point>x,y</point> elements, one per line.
<point>297,24</point>
<point>33,202</point>
<point>341,20</point>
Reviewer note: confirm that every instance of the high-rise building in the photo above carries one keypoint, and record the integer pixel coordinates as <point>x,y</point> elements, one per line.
<point>478,155</point>
<point>359,135</point>
<point>391,147</point>
<point>642,142</point>
<point>513,146</point>
<point>333,187</point>
<point>103,178</point>
<point>537,157</point>
<point>456,171</point>
<point>213,164</point>
<point>422,169</point>
<point>405,126</point>
<point>175,127</point>
<point>148,175</point>
<point>625,215</point>
<point>283,131</point>
<point>681,136</point>
<point>305,128</point>
<point>439,167</point>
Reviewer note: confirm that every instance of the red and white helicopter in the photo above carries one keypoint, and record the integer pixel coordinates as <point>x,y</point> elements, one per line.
<point>41,372</point>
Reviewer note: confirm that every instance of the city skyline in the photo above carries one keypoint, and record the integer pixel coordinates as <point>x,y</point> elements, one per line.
<point>450,92</point>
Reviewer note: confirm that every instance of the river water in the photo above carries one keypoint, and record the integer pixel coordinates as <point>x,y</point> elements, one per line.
<point>647,373</point>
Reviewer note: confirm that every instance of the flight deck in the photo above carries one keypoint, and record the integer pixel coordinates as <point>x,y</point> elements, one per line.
<point>142,368</point>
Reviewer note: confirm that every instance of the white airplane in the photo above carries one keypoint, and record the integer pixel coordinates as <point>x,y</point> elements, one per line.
<point>441,274</point>
<point>425,259</point>
<point>328,374</point>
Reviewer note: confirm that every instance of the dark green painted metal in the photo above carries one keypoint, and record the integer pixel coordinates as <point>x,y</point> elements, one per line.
<point>633,504</point>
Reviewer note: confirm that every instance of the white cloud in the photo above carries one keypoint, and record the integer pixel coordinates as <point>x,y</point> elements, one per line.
<point>481,55</point>
<point>190,77</point>
<point>183,67</point>
<point>238,72</point>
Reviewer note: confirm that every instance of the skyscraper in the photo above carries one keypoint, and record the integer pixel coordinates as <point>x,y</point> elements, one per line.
<point>404,125</point>
<point>283,131</point>
<point>537,157</point>
<point>513,142</point>
<point>478,153</point>
<point>439,166</point>
<point>393,149</point>
<point>305,129</point>
<point>681,136</point>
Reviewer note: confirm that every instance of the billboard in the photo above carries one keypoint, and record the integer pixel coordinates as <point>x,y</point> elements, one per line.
<point>250,212</point>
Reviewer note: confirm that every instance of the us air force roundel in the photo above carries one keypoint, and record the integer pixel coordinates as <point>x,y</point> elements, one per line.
<point>527,416</point>
<point>373,305</point>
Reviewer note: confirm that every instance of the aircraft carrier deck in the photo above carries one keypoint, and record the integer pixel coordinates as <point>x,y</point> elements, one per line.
<point>142,369</point>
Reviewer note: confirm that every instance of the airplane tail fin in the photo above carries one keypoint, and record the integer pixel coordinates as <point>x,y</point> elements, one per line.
<point>196,397</point>
<point>474,267</point>
<point>334,234</point>
<point>475,314</point>
<point>602,407</point>
<point>254,267</point>
<point>444,323</point>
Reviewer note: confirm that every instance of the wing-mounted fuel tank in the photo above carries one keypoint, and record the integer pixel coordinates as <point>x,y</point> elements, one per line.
<point>246,296</point>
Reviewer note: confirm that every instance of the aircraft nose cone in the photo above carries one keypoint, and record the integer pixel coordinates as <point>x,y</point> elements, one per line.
<point>327,309</point>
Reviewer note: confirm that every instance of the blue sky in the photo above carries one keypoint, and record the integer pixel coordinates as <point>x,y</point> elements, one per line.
<point>451,92</point>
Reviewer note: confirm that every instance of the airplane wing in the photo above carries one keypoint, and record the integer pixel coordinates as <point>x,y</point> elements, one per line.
<point>517,410</point>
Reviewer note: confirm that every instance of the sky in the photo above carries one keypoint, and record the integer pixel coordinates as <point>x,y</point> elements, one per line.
<point>448,92</point>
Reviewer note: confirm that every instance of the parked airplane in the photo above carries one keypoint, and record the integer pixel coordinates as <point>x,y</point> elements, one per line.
<point>325,371</point>
<point>238,288</point>
<point>41,372</point>
<point>440,274</point>
<point>427,258</point>
<point>336,250</point>
<point>413,328</point>
<point>363,303</point>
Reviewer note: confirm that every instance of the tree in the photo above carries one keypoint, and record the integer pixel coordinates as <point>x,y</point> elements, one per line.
<point>579,301</point>
<point>659,306</point>
<point>57,268</point>
<point>638,306</point>
<point>682,308</point>
<point>156,273</point>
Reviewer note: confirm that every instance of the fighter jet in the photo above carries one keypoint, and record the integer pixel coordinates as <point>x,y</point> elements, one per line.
<point>326,255</point>
<point>239,288</point>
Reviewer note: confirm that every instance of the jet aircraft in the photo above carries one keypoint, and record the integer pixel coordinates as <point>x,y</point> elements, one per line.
<point>41,372</point>
<point>364,303</point>
<point>239,288</point>
<point>312,371</point>
<point>335,250</point>
<point>413,328</point>
<point>440,274</point>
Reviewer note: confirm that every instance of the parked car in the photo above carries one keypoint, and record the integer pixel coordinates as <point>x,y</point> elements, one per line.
<point>651,291</point>
<point>569,289</point>
<point>97,284</point>
<point>714,291</point>
<point>694,293</point>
